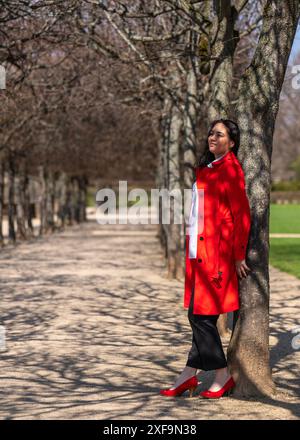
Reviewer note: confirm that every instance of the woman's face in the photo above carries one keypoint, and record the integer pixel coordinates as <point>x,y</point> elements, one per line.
<point>218,140</point>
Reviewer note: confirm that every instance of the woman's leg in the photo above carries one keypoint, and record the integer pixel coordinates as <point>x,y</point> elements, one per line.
<point>222,376</point>
<point>207,352</point>
<point>186,374</point>
<point>188,371</point>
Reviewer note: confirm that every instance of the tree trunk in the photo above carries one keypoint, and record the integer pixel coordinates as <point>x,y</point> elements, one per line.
<point>2,170</point>
<point>175,267</point>
<point>29,208</point>
<point>43,199</point>
<point>189,125</point>
<point>81,199</point>
<point>259,90</point>
<point>189,146</point>
<point>74,197</point>
<point>162,170</point>
<point>11,200</point>
<point>223,49</point>
<point>84,189</point>
<point>62,199</point>
<point>50,200</point>
<point>70,201</point>
<point>20,200</point>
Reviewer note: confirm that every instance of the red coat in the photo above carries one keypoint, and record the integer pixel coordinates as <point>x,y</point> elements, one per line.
<point>222,238</point>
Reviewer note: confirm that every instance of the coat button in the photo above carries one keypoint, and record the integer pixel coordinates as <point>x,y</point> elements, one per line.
<point>201,238</point>
<point>199,260</point>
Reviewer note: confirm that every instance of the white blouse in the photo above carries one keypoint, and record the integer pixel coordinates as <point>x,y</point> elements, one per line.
<point>193,218</point>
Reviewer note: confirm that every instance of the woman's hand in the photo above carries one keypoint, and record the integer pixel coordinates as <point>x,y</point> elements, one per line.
<point>242,268</point>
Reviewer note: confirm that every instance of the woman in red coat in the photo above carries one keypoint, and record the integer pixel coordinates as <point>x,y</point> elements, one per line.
<point>216,242</point>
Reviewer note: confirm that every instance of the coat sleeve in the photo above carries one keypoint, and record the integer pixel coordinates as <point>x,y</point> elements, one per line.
<point>240,209</point>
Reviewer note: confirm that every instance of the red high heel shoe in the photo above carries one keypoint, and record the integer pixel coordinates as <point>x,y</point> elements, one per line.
<point>190,384</point>
<point>224,391</point>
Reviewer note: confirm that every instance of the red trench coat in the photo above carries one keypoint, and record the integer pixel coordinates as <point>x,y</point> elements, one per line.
<point>222,238</point>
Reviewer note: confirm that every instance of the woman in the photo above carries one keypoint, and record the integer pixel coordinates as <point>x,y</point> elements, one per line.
<point>216,243</point>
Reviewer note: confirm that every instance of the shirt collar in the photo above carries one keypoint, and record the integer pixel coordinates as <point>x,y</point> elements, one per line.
<point>210,164</point>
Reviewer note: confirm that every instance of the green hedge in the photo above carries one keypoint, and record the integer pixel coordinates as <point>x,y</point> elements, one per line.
<point>286,185</point>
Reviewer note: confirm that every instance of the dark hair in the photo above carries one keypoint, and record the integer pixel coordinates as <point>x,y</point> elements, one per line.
<point>233,133</point>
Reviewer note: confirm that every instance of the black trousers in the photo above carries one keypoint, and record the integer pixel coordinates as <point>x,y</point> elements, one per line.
<point>207,351</point>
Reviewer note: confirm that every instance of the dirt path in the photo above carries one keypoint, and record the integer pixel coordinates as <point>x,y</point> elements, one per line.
<point>94,329</point>
<point>284,235</point>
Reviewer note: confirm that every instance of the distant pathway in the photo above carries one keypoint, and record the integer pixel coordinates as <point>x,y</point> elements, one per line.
<point>284,235</point>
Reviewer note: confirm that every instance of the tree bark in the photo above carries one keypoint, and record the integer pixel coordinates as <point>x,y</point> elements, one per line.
<point>189,128</point>
<point>2,173</point>
<point>70,200</point>
<point>20,200</point>
<point>11,199</point>
<point>81,199</point>
<point>29,208</point>
<point>162,169</point>
<point>50,201</point>
<point>175,267</point>
<point>225,39</point>
<point>43,199</point>
<point>62,199</point>
<point>84,189</point>
<point>259,90</point>
<point>189,145</point>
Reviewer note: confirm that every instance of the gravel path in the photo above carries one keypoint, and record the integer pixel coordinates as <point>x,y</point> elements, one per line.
<point>94,328</point>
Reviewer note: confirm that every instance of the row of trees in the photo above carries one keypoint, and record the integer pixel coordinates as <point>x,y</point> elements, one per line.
<point>33,136</point>
<point>58,117</point>
<point>55,198</point>
<point>76,68</point>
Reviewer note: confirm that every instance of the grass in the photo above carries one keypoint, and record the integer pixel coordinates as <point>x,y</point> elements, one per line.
<point>285,255</point>
<point>285,218</point>
<point>285,252</point>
